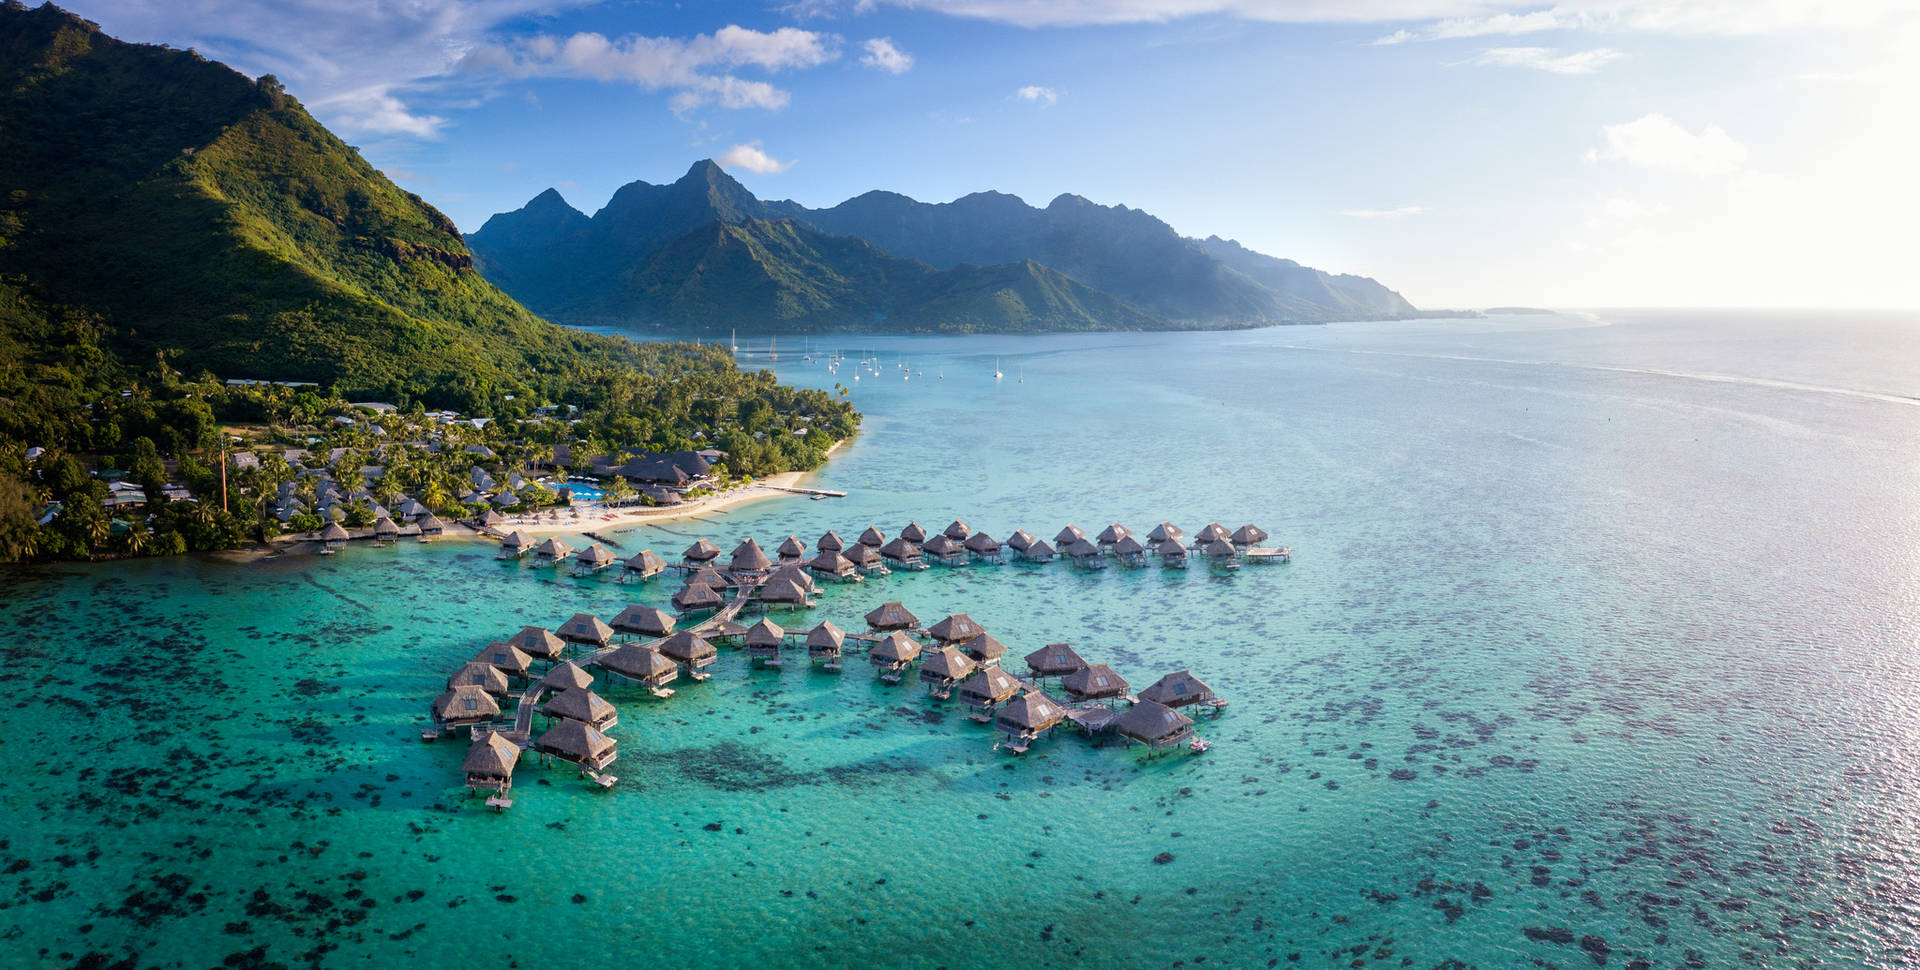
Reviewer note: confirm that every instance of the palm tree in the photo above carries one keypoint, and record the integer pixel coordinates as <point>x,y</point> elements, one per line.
<point>98,529</point>
<point>139,539</point>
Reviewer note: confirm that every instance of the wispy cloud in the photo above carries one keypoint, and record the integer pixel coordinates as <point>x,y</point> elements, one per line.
<point>693,68</point>
<point>750,157</point>
<point>1037,94</point>
<point>1657,141</point>
<point>1399,213</point>
<point>1454,28</point>
<point>1547,59</point>
<point>883,55</point>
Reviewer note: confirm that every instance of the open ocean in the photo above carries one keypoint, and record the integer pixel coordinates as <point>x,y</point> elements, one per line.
<point>1600,646</point>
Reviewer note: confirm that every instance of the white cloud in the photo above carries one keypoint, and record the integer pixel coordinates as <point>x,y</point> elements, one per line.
<point>749,156</point>
<point>1657,141</point>
<point>1453,28</point>
<point>685,66</point>
<point>1398,213</point>
<point>1547,59</point>
<point>883,55</point>
<point>1038,94</point>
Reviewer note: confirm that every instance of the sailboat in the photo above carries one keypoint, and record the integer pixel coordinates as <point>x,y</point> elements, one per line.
<point>805,354</point>
<point>733,341</point>
<point>771,353</point>
<point>1023,373</point>
<point>996,369</point>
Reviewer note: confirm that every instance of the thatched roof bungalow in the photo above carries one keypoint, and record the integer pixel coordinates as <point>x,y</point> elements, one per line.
<point>515,544</point>
<point>783,591</point>
<point>463,706</point>
<point>1163,532</point>
<point>587,630</point>
<point>552,550</point>
<point>430,525</point>
<point>867,559</point>
<point>791,549</point>
<point>946,551</point>
<point>1020,540</point>
<point>1248,535</point>
<point>914,533</point>
<point>1214,530</point>
<point>567,675</point>
<point>831,563</point>
<point>749,559</point>
<point>986,687</point>
<point>707,576</point>
<point>1095,683</point>
<point>957,628</point>
<point>689,650</point>
<point>1026,717</point>
<point>584,706</point>
<point>1039,551</point>
<point>644,665</point>
<point>643,621</point>
<point>334,535</point>
<point>958,531</point>
<point>1055,660</point>
<point>764,640</point>
<point>943,668</point>
<point>485,676</point>
<point>984,649</point>
<point>1113,533</point>
<point>696,598</point>
<point>824,643</point>
<point>795,574</point>
<point>1129,551</point>
<point>892,615</point>
<point>596,558</point>
<point>383,528</point>
<point>983,547</point>
<point>830,542</point>
<point>1173,554</point>
<point>1084,553</point>
<point>644,565</point>
<point>506,658</point>
<point>1220,550</point>
<point>538,643</point>
<point>903,554</point>
<point>490,519</point>
<point>701,551</point>
<point>892,654</point>
<point>489,764</point>
<point>1178,689</point>
<point>1154,725</point>
<point>578,743</point>
<point>873,538</point>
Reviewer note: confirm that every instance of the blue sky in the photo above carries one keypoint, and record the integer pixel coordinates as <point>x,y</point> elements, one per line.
<point>1465,152</point>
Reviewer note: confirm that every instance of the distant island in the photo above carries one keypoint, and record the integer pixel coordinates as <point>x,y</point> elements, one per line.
<point>703,255</point>
<point>1519,311</point>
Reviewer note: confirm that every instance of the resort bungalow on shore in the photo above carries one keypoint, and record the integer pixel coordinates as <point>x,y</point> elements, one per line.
<point>552,551</point>
<point>830,542</point>
<point>691,651</point>
<point>584,706</point>
<point>643,621</point>
<point>1173,555</point>
<point>943,669</point>
<point>1129,551</point>
<point>489,764</point>
<point>430,526</point>
<point>903,554</point>
<point>873,538</point>
<point>1068,536</point>
<point>945,551</point>
<point>1026,717</point>
<point>1248,535</point>
<point>1163,532</point>
<point>464,706</point>
<point>595,559</point>
<point>764,640</point>
<point>697,598</point>
<point>831,563</point>
<point>1054,660</point>
<point>1020,540</point>
<point>567,675</point>
<point>984,649</point>
<point>749,561</point>
<point>791,549</point>
<point>586,630</point>
<point>384,530</point>
<point>1039,551</point>
<point>644,565</point>
<point>576,743</point>
<point>1095,683</point>
<point>956,629</point>
<point>490,520</point>
<point>1113,533</point>
<point>1084,553</point>
<point>538,643</point>
<point>986,688</point>
<point>333,537</point>
<point>867,559</point>
<point>1155,725</point>
<point>1180,688</point>
<point>485,676</point>
<point>891,615</point>
<point>892,654</point>
<point>824,643</point>
<point>983,547</point>
<point>642,665</point>
<point>914,533</point>
<point>701,552</point>
<point>506,658</point>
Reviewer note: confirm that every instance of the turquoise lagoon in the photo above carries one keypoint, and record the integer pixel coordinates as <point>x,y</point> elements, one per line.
<point>1600,645</point>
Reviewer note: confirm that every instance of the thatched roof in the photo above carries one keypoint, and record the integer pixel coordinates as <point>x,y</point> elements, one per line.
<point>517,539</point>
<point>646,562</point>
<point>465,703</point>
<point>1067,535</point>
<point>780,589</point>
<point>492,756</point>
<point>826,636</point>
<point>574,741</point>
<point>956,628</point>
<point>1094,683</point>
<point>830,542</point>
<point>567,675</point>
<point>796,574</point>
<point>831,562</point>
<point>506,657</point>
<point>1214,530</point>
<point>1040,549</point>
<point>946,665</point>
<point>1248,535</point>
<point>644,620</point>
<point>958,531</point>
<point>873,537</point>
<point>597,555</point>
<point>943,546</point>
<point>1177,689</point>
<point>765,633</point>
<point>895,647</point>
<point>1172,549</point>
<point>990,684</point>
<point>1055,660</point>
<point>489,518</point>
<point>1082,549</point>
<point>892,616</point>
<point>701,551</point>
<point>1113,533</point>
<point>791,547</point>
<point>585,628</point>
<point>580,705</point>
<point>384,526</point>
<point>863,555</point>
<point>635,662</point>
<point>984,648</point>
<point>1150,722</point>
<point>900,550</point>
<point>698,596</point>
<point>553,548</point>
<point>1164,531</point>
<point>914,533</point>
<point>538,642</point>
<point>706,576</point>
<point>1020,540</point>
<point>749,557</point>
<point>1128,546</point>
<point>334,533</point>
<point>432,523</point>
<point>1031,711</point>
<point>485,676</point>
<point>982,543</point>
<point>686,647</point>
<point>1220,549</point>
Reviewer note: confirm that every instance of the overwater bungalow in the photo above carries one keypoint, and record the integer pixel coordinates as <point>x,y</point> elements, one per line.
<point>764,640</point>
<point>384,530</point>
<point>586,630</point>
<point>485,676</point>
<point>643,621</point>
<point>567,675</point>
<point>1220,552</point>
<point>691,651</point>
<point>552,551</point>
<point>645,565</point>
<point>1040,550</point>
<point>791,549</point>
<point>1214,530</point>
<point>642,665</point>
<point>983,547</point>
<point>914,533</point>
<point>903,554</point>
<point>595,559</point>
<point>506,658</point>
<point>1155,725</point>
<point>1084,553</point>
<point>831,563</point>
<point>1054,660</point>
<point>1129,551</point>
<point>945,551</point>
<point>1173,555</point>
<point>958,531</point>
<point>582,705</point>
<point>873,538</point>
<point>333,537</point>
<point>1179,689</point>
<point>796,574</point>
<point>708,576</point>
<point>783,592</point>
<point>1095,683</point>
<point>1248,535</point>
<point>1113,533</point>
<point>867,559</point>
<point>696,598</point>
<point>749,561</point>
<point>1026,717</point>
<point>984,649</point>
<point>892,615</point>
<point>489,764</point>
<point>943,669</point>
<point>515,545</point>
<point>1020,540</point>
<point>986,688</point>
<point>430,526</point>
<point>464,706</point>
<point>1068,536</point>
<point>1163,532</point>
<point>830,542</point>
<point>824,643</point>
<point>892,654</point>
<point>538,643</point>
<point>956,629</point>
<point>577,743</point>
<point>701,552</point>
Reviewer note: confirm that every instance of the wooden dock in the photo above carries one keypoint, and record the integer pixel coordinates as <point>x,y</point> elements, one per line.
<point>816,492</point>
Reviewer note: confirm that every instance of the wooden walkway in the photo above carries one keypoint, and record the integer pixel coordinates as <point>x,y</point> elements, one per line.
<point>822,492</point>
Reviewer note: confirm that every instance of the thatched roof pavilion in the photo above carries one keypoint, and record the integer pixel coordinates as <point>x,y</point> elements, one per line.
<point>1214,530</point>
<point>1020,540</point>
<point>567,675</point>
<point>941,669</point>
<point>578,743</point>
<point>383,528</point>
<point>1129,550</point>
<point>1066,536</point>
<point>1248,535</point>
<point>764,640</point>
<point>782,591</point>
<point>1055,660</point>
<point>430,525</point>
<point>645,665</point>
<point>914,533</point>
<point>893,653</point>
<point>485,676</point>
<point>1095,683</point>
<point>553,550</point>
<point>748,557</point>
<point>1178,689</point>
<point>539,643</point>
<point>646,563</point>
<point>689,650</point>
<point>901,551</point>
<point>791,548</point>
<point>596,558</point>
<point>958,531</point>
<point>701,551</point>
<point>490,762</point>
<point>697,597</point>
<point>984,648</point>
<point>956,628</point>
<point>873,537</point>
<point>892,615</point>
<point>825,641</point>
<point>945,550</point>
<point>831,563</point>
<point>465,705</point>
<point>506,658</point>
<point>1153,724</point>
<point>643,621</point>
<point>988,686</point>
<point>1038,551</point>
<point>587,630</point>
<point>584,706</point>
<point>1163,532</point>
<point>983,545</point>
<point>1113,533</point>
<point>1026,716</point>
<point>830,542</point>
